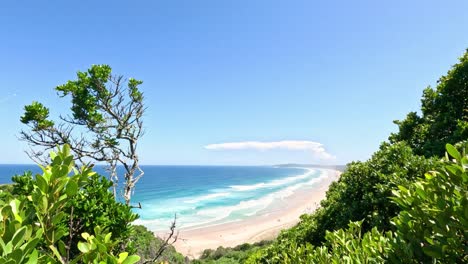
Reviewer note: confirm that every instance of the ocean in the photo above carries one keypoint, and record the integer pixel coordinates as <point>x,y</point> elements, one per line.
<point>205,195</point>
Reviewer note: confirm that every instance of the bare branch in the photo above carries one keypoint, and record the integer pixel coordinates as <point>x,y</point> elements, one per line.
<point>170,240</point>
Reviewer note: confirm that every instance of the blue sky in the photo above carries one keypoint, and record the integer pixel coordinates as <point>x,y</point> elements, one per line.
<point>330,74</point>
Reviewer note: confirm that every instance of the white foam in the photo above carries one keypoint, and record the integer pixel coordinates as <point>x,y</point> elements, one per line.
<point>245,208</point>
<point>261,203</point>
<point>223,213</point>
<point>207,197</point>
<point>284,193</point>
<point>273,183</point>
<point>242,205</point>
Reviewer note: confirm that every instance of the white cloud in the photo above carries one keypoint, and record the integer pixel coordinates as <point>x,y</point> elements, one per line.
<point>316,148</point>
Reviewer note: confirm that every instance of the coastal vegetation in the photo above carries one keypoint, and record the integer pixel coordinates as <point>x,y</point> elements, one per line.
<point>238,254</point>
<point>39,223</point>
<point>406,204</point>
<point>82,220</point>
<point>430,227</point>
<point>444,116</point>
<point>105,124</point>
<point>149,248</point>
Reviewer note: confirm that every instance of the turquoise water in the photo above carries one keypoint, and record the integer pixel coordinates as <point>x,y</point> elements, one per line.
<point>204,195</point>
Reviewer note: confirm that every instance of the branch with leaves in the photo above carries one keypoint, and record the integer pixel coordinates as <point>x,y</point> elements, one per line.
<point>105,124</point>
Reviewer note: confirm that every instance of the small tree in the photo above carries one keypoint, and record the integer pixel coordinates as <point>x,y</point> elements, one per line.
<point>104,126</point>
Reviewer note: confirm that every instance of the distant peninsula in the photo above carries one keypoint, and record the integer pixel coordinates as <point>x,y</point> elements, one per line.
<point>334,167</point>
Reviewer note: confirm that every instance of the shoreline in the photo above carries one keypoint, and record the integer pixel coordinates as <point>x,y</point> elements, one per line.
<point>266,226</point>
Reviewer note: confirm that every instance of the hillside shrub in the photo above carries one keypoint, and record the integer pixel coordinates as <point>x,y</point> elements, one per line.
<point>36,228</point>
<point>430,228</point>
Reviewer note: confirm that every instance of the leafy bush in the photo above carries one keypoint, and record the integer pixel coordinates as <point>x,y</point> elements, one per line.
<point>430,228</point>
<point>92,206</point>
<point>434,222</point>
<point>147,245</point>
<point>35,227</point>
<point>361,193</point>
<point>341,246</point>
<point>238,254</point>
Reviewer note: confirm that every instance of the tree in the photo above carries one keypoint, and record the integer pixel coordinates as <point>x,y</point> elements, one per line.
<point>104,126</point>
<point>444,114</point>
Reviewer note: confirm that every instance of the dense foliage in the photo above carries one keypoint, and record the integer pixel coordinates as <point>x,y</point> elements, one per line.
<point>37,227</point>
<point>444,114</point>
<point>341,246</point>
<point>86,224</point>
<point>433,224</point>
<point>92,206</point>
<point>361,193</point>
<point>147,246</point>
<point>402,217</point>
<point>222,255</point>
<point>430,228</point>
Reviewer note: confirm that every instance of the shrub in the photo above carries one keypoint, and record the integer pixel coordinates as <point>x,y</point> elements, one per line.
<point>341,246</point>
<point>238,254</point>
<point>433,225</point>
<point>430,228</point>
<point>92,206</point>
<point>147,245</point>
<point>35,227</point>
<point>361,193</point>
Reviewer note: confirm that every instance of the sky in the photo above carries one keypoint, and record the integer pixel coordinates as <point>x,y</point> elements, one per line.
<point>236,82</point>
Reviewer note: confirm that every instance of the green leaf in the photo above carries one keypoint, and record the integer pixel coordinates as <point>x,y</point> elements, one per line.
<point>31,244</point>
<point>453,151</point>
<point>66,150</point>
<point>17,255</point>
<point>8,248</point>
<point>58,235</point>
<point>83,247</point>
<point>41,183</point>
<point>33,257</point>
<point>131,259</point>
<point>85,235</point>
<point>57,218</point>
<point>402,188</point>
<point>52,155</point>
<point>433,251</point>
<point>122,257</point>
<point>62,247</point>
<point>19,236</point>
<point>107,238</point>
<point>72,188</point>
<point>15,209</point>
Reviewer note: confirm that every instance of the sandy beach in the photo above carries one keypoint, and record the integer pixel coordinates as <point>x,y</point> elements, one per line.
<point>265,225</point>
